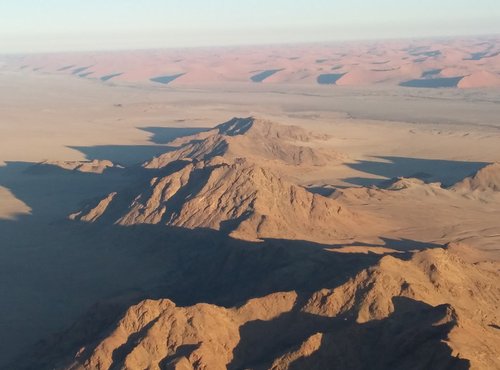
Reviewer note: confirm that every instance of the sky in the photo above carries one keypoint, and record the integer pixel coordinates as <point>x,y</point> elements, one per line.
<point>72,25</point>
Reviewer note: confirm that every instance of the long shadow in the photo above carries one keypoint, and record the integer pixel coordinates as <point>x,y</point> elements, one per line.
<point>166,79</point>
<point>122,154</point>
<point>411,337</point>
<point>135,154</point>
<point>164,135</point>
<point>430,170</point>
<point>263,75</point>
<point>329,78</point>
<point>405,246</point>
<point>433,83</point>
<point>54,271</point>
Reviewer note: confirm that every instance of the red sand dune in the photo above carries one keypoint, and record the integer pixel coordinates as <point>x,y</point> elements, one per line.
<point>362,63</point>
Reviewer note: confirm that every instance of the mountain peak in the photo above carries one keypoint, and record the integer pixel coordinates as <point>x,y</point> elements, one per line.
<point>248,201</point>
<point>486,179</point>
<point>236,126</point>
<point>252,138</point>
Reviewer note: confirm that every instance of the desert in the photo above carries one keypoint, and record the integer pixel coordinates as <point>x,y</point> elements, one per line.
<point>309,206</point>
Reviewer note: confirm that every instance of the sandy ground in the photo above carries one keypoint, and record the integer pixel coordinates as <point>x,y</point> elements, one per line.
<point>384,133</point>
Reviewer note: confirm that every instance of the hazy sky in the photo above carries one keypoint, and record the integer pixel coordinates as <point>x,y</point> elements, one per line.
<point>53,25</point>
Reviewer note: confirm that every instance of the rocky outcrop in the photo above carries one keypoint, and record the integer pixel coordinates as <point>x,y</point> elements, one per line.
<point>432,311</point>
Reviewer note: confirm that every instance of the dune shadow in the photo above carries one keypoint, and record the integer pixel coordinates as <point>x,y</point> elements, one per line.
<point>165,80</point>
<point>433,83</point>
<point>261,76</point>
<point>110,76</point>
<point>329,78</point>
<point>430,170</point>
<point>164,135</point>
<point>65,68</point>
<point>79,70</point>
<point>421,51</point>
<point>431,72</point>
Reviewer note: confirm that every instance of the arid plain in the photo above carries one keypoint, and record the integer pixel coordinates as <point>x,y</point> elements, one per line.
<point>180,210</point>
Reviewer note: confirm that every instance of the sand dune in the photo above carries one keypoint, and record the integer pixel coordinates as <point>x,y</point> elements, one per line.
<point>480,79</point>
<point>389,63</point>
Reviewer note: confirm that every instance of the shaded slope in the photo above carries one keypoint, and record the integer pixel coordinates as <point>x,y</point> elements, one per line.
<point>253,139</point>
<point>246,200</point>
<point>399,314</point>
<point>486,179</point>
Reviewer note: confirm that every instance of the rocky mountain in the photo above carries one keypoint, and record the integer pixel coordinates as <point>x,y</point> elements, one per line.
<point>219,179</point>
<point>483,185</point>
<point>431,311</point>
<point>379,308</point>
<point>486,179</point>
<point>253,139</point>
<point>241,198</point>
<point>94,166</point>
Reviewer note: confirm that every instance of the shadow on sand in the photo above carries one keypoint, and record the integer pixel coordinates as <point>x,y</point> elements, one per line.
<point>164,135</point>
<point>429,170</point>
<point>128,155</point>
<point>125,155</point>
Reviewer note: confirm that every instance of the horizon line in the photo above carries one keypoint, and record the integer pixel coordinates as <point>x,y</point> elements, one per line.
<point>257,44</point>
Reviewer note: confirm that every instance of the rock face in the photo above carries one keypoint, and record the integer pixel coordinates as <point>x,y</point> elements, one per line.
<point>253,139</point>
<point>428,309</point>
<point>486,179</point>
<point>484,183</point>
<point>242,198</point>
<point>433,311</point>
<point>91,214</point>
<point>206,183</point>
<point>94,166</point>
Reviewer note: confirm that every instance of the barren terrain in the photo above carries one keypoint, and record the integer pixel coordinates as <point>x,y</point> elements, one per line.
<point>219,222</point>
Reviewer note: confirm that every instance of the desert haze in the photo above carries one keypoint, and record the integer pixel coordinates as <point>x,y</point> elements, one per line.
<point>313,206</point>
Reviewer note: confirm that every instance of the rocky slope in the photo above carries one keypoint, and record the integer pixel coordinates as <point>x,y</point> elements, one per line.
<point>241,198</point>
<point>206,183</point>
<point>253,139</point>
<point>428,309</point>
<point>484,182</point>
<point>94,166</point>
<point>486,179</point>
<point>433,311</point>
